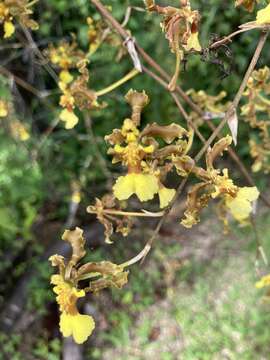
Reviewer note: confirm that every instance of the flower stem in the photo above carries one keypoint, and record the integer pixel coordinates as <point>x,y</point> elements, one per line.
<point>31,3</point>
<point>138,257</point>
<point>118,83</point>
<point>127,213</point>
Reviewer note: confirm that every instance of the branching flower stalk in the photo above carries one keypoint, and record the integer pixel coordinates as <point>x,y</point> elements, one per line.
<point>147,155</point>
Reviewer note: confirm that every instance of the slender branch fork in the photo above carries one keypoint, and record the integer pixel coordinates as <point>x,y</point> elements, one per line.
<point>216,130</point>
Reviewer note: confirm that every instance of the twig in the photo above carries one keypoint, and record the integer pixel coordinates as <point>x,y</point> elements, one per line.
<point>22,83</point>
<point>229,37</point>
<point>128,14</point>
<point>36,50</point>
<point>100,159</point>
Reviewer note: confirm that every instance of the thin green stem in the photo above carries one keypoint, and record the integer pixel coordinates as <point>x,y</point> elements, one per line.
<point>33,2</point>
<point>118,83</point>
<point>127,213</point>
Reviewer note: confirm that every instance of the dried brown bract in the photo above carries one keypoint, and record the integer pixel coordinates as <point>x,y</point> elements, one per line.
<point>111,217</point>
<point>181,28</point>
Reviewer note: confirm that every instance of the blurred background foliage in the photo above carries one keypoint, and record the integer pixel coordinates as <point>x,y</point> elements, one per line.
<point>36,178</point>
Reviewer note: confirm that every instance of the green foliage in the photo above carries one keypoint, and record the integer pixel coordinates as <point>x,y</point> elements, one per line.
<point>224,316</point>
<point>39,288</point>
<point>21,192</point>
<point>11,348</point>
<point>47,351</point>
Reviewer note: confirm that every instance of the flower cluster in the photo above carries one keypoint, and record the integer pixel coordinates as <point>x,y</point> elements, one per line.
<point>67,285</point>
<point>15,9</point>
<point>146,160</point>
<point>256,112</point>
<point>217,184</point>
<point>75,91</point>
<point>181,28</point>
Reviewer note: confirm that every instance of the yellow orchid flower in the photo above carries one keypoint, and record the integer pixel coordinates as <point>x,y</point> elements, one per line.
<point>240,206</point>
<point>145,186</point>
<point>3,108</point>
<point>165,196</point>
<point>263,282</point>
<point>65,77</point>
<point>6,19</point>
<point>9,29</point>
<point>66,100</point>
<point>193,42</point>
<point>70,119</point>
<point>72,323</point>
<point>79,326</point>
<point>263,16</point>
